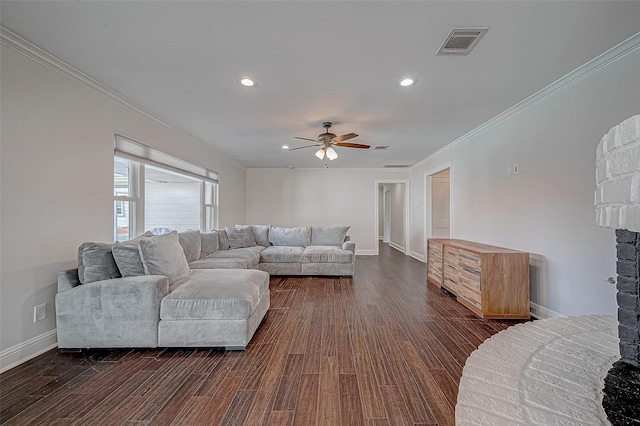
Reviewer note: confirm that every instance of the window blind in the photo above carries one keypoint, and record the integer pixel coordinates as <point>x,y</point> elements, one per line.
<point>136,151</point>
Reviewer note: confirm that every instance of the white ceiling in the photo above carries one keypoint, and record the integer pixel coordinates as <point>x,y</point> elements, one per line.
<point>324,60</point>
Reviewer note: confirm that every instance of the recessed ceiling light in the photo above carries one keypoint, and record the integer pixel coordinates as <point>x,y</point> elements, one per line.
<point>407,82</point>
<point>285,146</point>
<point>247,82</point>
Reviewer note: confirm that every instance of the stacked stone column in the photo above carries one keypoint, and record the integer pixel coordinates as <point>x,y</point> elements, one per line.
<point>628,268</point>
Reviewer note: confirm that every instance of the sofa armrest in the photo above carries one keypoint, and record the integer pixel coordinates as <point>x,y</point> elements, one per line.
<point>121,312</point>
<point>68,279</point>
<point>349,245</point>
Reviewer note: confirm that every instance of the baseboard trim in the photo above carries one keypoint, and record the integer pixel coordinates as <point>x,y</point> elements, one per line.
<point>23,352</point>
<point>366,252</point>
<point>540,312</point>
<point>418,256</point>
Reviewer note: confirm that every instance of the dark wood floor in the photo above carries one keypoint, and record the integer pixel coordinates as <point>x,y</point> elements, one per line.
<point>383,348</point>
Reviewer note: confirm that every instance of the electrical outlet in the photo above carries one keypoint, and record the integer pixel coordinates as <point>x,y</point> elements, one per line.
<point>39,312</point>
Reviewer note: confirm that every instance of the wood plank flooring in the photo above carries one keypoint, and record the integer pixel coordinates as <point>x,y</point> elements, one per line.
<point>381,348</point>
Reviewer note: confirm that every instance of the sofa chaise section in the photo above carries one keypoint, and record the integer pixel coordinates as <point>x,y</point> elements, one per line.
<point>214,308</point>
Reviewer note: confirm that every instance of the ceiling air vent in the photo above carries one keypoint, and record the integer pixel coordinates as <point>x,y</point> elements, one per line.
<point>460,41</point>
<point>396,166</point>
<point>381,147</point>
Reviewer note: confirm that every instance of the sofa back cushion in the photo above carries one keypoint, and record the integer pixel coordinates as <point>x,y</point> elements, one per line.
<point>208,244</point>
<point>127,256</point>
<point>240,238</point>
<point>260,233</point>
<point>163,255</point>
<point>223,239</point>
<point>191,244</point>
<point>294,237</point>
<point>96,263</point>
<point>328,235</point>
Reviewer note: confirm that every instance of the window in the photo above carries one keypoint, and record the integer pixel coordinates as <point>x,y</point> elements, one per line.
<point>120,210</point>
<point>126,200</point>
<point>149,195</point>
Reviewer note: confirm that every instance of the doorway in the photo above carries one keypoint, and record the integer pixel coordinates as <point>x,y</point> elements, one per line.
<point>441,204</point>
<point>386,214</point>
<point>392,213</point>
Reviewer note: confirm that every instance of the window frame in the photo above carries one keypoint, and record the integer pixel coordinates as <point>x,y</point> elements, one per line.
<point>134,153</point>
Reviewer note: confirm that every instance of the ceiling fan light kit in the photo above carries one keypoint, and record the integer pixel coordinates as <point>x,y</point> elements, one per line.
<point>331,153</point>
<point>327,140</point>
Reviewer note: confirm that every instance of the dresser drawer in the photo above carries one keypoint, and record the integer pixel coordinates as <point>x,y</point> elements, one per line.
<point>469,261</point>
<point>470,296</point>
<point>434,262</point>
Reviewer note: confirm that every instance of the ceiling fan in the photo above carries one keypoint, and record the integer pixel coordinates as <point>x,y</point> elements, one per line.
<point>327,140</point>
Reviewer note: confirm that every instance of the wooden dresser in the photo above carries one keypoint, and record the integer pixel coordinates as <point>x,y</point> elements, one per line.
<point>493,282</point>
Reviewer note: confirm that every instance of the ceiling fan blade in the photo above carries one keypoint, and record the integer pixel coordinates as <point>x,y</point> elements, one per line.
<point>345,137</point>
<point>306,139</point>
<point>352,145</point>
<point>300,147</point>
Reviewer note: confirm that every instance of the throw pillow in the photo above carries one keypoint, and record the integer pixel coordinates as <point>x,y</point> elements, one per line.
<point>260,233</point>
<point>328,235</point>
<point>163,255</point>
<point>223,239</point>
<point>96,263</point>
<point>208,244</point>
<point>240,238</point>
<point>127,256</point>
<point>191,244</point>
<point>295,237</point>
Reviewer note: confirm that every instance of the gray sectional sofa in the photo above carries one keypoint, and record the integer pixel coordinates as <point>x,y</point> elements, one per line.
<point>188,289</point>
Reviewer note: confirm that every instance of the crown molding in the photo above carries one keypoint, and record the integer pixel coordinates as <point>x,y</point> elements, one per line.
<point>30,50</point>
<point>620,50</point>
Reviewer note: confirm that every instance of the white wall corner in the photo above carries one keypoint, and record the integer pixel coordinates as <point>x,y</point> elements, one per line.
<point>418,256</point>
<point>23,352</point>
<point>540,312</point>
<point>397,246</point>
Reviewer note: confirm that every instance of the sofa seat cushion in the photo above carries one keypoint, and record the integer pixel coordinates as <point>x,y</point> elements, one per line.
<point>282,254</point>
<point>219,264</point>
<point>326,254</point>
<point>216,294</point>
<point>249,254</point>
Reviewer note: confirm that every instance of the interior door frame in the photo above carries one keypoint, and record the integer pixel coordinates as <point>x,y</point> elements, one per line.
<point>407,205</point>
<point>428,207</point>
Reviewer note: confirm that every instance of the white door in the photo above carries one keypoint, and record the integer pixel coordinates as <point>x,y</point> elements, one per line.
<point>441,205</point>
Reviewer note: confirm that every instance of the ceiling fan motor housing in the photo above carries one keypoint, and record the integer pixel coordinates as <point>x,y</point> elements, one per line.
<point>326,137</point>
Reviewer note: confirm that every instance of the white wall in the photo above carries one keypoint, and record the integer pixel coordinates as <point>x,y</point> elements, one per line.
<point>549,210</point>
<point>302,197</point>
<point>57,184</point>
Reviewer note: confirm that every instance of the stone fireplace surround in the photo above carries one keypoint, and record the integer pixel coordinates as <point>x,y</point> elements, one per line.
<point>617,201</point>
